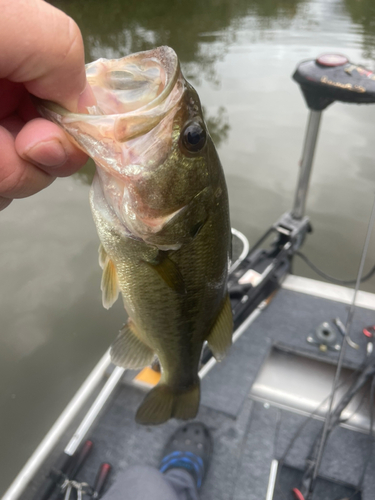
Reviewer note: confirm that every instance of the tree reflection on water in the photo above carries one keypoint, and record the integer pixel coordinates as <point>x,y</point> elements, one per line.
<point>199,32</point>
<point>126,26</point>
<point>362,13</point>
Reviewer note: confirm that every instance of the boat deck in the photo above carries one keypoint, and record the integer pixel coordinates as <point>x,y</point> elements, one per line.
<point>249,428</point>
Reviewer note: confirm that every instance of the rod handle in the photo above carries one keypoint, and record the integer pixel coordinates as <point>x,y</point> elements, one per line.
<point>80,459</point>
<point>101,479</point>
<point>54,477</point>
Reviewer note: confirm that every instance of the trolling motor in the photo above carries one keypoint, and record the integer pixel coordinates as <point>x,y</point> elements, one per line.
<point>329,78</point>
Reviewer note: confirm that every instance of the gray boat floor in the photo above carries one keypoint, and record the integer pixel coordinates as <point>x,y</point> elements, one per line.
<point>247,433</point>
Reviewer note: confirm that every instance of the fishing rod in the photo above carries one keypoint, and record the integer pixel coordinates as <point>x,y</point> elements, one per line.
<point>333,416</point>
<point>371,434</point>
<point>277,464</point>
<point>366,374</point>
<point>62,469</point>
<point>361,376</point>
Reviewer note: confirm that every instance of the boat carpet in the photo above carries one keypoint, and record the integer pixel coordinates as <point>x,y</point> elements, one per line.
<point>244,448</point>
<point>288,321</point>
<point>244,430</point>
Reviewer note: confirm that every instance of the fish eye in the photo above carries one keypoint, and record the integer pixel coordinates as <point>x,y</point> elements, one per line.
<point>194,137</point>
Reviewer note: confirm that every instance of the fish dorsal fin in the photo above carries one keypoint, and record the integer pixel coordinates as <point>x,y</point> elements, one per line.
<point>169,272</point>
<point>109,286</point>
<point>102,256</point>
<point>220,337</point>
<point>129,351</point>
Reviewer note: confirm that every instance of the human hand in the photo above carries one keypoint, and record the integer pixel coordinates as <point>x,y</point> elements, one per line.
<point>41,53</point>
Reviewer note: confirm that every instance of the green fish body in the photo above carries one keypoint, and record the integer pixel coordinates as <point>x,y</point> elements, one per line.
<point>160,205</point>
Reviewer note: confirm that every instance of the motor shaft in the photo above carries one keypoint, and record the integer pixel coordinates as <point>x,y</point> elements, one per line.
<point>306,164</point>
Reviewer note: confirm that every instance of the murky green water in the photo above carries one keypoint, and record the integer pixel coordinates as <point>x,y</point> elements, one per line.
<point>239,54</point>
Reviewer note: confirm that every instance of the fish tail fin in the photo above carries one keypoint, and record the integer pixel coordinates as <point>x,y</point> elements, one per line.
<point>163,403</point>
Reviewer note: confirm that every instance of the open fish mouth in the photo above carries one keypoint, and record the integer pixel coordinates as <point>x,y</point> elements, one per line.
<point>142,80</point>
<point>128,133</point>
<point>133,95</point>
<point>136,136</point>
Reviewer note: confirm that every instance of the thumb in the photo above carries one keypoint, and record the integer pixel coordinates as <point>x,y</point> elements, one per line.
<point>43,48</point>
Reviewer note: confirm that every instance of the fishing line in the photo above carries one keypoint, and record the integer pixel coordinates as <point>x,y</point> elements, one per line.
<point>326,276</point>
<point>354,387</point>
<point>341,356</point>
<point>303,425</point>
<point>277,430</point>
<point>371,434</point>
<point>307,420</point>
<point>367,371</point>
<point>361,401</point>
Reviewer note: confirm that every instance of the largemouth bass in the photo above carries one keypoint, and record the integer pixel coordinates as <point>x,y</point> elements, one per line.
<point>160,205</point>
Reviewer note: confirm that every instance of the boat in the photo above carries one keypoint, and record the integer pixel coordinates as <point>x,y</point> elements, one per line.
<point>291,408</point>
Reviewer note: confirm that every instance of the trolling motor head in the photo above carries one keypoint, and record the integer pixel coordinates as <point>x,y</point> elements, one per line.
<point>332,77</point>
<point>329,78</point>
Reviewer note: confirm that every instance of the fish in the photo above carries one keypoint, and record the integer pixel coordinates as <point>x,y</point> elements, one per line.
<point>160,204</point>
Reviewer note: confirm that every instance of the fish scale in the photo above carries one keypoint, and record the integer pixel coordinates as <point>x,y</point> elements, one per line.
<point>160,205</point>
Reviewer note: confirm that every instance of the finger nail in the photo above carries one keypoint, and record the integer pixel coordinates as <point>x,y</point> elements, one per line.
<point>47,154</point>
<point>86,99</point>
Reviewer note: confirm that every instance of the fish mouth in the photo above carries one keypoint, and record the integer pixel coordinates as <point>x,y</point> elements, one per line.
<point>129,133</point>
<point>139,81</point>
<point>133,95</point>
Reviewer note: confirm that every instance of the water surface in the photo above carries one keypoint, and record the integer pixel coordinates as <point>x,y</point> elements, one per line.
<point>239,54</point>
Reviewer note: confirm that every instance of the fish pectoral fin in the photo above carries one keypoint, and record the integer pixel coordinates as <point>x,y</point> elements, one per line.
<point>163,403</point>
<point>169,272</point>
<point>102,256</point>
<point>129,351</point>
<point>220,337</point>
<point>109,285</point>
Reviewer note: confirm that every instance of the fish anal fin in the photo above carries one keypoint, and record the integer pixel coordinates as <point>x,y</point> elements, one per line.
<point>169,272</point>
<point>129,351</point>
<point>109,285</point>
<point>163,403</point>
<point>220,337</point>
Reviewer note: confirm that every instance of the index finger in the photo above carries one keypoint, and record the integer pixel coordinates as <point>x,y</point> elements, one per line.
<point>42,47</point>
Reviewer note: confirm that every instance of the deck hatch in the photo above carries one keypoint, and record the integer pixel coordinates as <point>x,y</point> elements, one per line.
<point>299,383</point>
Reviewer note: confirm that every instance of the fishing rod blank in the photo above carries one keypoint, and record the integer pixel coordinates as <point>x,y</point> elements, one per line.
<point>348,325</point>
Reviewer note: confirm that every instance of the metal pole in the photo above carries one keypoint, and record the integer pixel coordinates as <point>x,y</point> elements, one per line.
<point>306,164</point>
<point>94,410</point>
<point>61,424</point>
